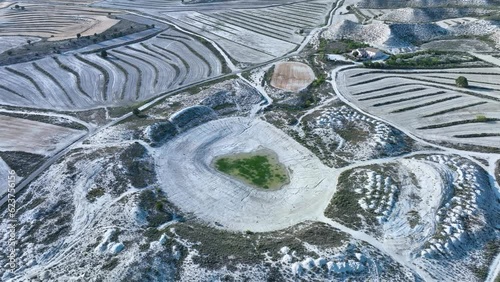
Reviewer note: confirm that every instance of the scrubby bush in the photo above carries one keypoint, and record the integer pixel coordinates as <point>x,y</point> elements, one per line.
<point>319,80</point>
<point>481,118</point>
<point>462,81</point>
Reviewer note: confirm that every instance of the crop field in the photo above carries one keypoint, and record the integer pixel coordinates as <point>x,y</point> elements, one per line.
<point>260,169</point>
<point>256,35</point>
<point>292,76</point>
<point>129,73</point>
<point>429,104</point>
<point>152,6</point>
<point>34,137</point>
<point>55,22</point>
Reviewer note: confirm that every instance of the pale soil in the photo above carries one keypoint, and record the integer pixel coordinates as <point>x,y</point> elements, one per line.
<point>292,76</point>
<point>191,183</point>
<point>34,137</point>
<point>61,22</point>
<point>100,24</point>
<point>11,42</point>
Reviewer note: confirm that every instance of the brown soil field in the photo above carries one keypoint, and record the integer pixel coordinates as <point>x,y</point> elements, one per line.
<point>34,137</point>
<point>55,22</point>
<point>292,76</point>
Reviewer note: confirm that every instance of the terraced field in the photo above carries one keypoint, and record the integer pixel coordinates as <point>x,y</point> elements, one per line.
<point>130,73</point>
<point>55,22</point>
<point>256,35</point>
<point>429,104</point>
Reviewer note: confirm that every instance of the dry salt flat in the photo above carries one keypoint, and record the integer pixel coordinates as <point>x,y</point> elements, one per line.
<point>187,176</point>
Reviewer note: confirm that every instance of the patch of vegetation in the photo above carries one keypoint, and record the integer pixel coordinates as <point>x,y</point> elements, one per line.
<point>481,118</point>
<point>339,46</point>
<point>120,111</point>
<point>161,132</point>
<point>462,82</point>
<point>219,248</point>
<point>52,237</point>
<point>268,75</point>
<point>111,264</point>
<point>157,208</point>
<point>139,165</point>
<point>424,59</point>
<point>319,80</point>
<point>481,272</point>
<point>144,247</point>
<point>413,218</point>
<point>497,172</point>
<point>37,50</point>
<point>95,193</point>
<point>344,205</point>
<point>491,249</point>
<point>256,169</point>
<point>22,162</point>
<point>352,133</point>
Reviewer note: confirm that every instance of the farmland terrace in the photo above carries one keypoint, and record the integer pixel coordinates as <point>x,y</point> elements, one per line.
<point>55,22</point>
<point>128,74</point>
<point>428,103</point>
<point>212,140</point>
<point>249,31</point>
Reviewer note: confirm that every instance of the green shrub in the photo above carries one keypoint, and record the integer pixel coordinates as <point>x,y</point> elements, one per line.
<point>95,193</point>
<point>462,82</point>
<point>481,118</point>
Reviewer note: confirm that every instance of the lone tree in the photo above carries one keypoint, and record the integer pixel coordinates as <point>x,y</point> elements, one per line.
<point>136,112</point>
<point>78,35</point>
<point>104,53</point>
<point>461,81</point>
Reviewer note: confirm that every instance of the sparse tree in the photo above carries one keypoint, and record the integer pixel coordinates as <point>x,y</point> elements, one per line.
<point>16,6</point>
<point>22,8</point>
<point>78,35</point>
<point>355,54</point>
<point>461,81</point>
<point>153,25</point>
<point>104,53</point>
<point>136,112</point>
<point>29,42</point>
